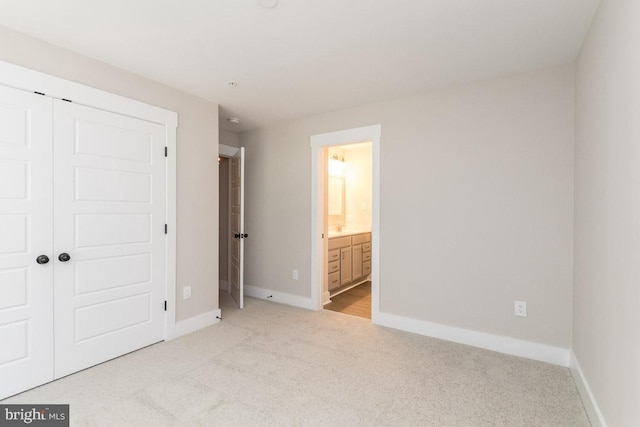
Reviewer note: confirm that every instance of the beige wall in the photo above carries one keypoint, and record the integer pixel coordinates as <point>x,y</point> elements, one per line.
<point>606,337</point>
<point>197,142</point>
<point>229,138</point>
<point>476,204</point>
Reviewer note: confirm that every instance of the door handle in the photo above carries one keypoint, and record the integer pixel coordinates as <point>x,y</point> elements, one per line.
<point>42,259</point>
<point>237,236</point>
<point>64,257</point>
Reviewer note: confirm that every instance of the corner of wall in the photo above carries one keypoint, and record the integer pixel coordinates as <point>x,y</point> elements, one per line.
<point>192,324</point>
<point>588,400</point>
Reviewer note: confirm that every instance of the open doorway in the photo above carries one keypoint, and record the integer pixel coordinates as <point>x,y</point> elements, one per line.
<point>231,224</point>
<point>344,236</point>
<point>348,184</point>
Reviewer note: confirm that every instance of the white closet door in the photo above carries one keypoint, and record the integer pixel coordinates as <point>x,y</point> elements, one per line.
<point>26,287</point>
<point>109,210</point>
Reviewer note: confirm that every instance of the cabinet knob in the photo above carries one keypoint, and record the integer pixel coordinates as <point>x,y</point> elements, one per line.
<point>64,257</point>
<point>42,259</point>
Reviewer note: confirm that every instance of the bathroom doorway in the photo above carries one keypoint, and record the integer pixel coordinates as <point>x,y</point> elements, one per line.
<point>345,220</point>
<point>348,182</point>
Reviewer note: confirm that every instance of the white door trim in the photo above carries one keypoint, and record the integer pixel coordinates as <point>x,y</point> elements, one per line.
<point>318,142</point>
<point>34,81</point>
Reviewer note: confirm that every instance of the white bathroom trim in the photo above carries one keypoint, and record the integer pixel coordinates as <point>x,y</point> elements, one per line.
<point>319,235</point>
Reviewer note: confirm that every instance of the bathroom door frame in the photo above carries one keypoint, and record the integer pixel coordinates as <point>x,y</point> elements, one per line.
<point>319,235</point>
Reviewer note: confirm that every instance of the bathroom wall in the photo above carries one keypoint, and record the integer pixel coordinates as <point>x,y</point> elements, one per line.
<point>358,185</point>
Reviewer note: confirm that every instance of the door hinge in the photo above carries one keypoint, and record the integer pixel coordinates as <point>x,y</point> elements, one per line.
<point>166,151</point>
<point>166,228</point>
<point>165,305</point>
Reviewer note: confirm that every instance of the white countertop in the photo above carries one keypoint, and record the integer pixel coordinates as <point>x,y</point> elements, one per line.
<point>348,231</point>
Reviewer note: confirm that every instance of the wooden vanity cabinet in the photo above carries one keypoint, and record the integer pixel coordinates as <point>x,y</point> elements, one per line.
<point>349,259</point>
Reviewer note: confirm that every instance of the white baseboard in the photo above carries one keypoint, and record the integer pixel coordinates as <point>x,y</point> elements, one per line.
<point>326,298</point>
<point>193,324</point>
<point>588,400</point>
<point>501,344</point>
<point>281,297</point>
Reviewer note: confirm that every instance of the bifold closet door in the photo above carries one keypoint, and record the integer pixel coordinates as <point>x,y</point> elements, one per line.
<point>109,210</point>
<point>26,286</point>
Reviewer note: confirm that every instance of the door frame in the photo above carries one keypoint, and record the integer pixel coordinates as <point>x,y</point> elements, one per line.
<point>318,226</point>
<point>33,81</point>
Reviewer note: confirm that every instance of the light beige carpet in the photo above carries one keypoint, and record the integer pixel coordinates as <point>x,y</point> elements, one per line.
<point>276,365</point>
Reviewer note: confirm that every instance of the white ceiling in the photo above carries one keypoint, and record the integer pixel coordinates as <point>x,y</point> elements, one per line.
<point>305,57</point>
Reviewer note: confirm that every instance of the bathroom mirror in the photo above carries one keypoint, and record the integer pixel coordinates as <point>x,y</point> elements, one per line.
<point>336,195</point>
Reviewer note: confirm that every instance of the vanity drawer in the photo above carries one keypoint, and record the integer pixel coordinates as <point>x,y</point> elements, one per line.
<point>366,247</point>
<point>361,238</point>
<point>366,268</point>
<point>334,266</point>
<point>366,256</point>
<point>334,280</point>
<point>334,255</point>
<point>339,242</point>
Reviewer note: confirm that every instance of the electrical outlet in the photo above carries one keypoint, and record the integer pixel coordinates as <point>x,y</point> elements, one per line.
<point>186,292</point>
<point>520,308</point>
<point>294,275</point>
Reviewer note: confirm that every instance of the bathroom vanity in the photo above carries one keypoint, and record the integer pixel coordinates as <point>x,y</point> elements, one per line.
<point>349,260</point>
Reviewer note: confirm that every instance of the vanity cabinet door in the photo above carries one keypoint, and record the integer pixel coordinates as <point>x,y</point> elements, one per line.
<point>357,261</point>
<point>345,266</point>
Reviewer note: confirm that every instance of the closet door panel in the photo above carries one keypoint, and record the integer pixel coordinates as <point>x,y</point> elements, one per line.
<point>26,287</point>
<point>109,202</point>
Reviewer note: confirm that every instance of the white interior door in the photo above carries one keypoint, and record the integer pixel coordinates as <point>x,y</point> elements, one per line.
<point>237,228</point>
<point>109,209</point>
<point>26,287</point>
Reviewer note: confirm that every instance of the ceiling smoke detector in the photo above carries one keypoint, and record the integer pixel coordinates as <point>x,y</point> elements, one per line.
<point>234,120</point>
<point>267,4</point>
<point>232,84</point>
